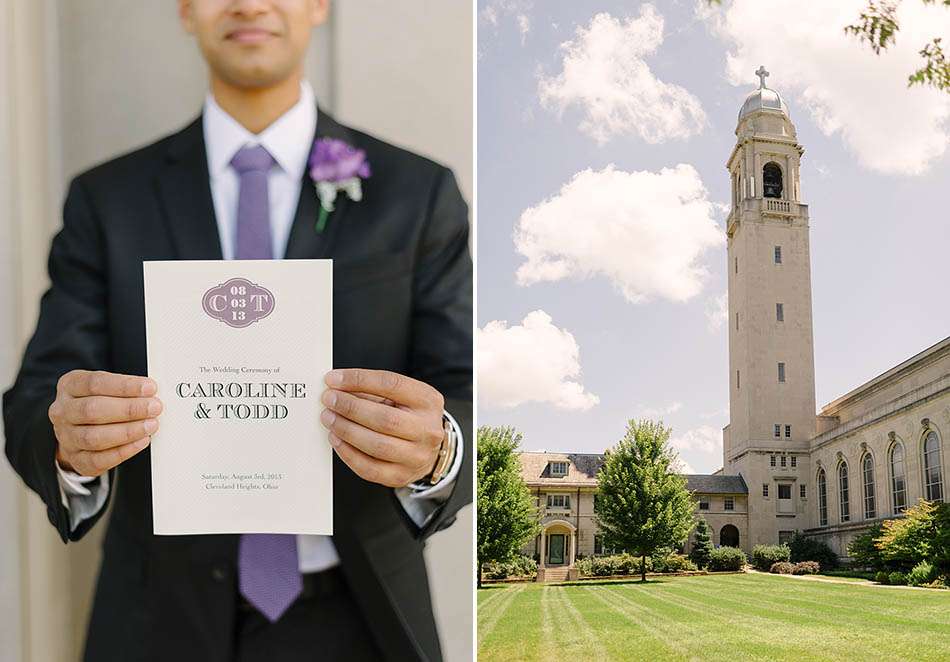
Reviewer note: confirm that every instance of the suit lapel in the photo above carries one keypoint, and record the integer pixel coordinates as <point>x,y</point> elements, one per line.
<point>184,191</point>
<point>304,241</point>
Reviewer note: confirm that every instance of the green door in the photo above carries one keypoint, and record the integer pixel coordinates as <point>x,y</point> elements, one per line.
<point>556,549</point>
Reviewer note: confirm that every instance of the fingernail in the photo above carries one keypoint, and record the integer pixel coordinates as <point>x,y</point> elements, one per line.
<point>154,408</point>
<point>142,443</point>
<point>334,441</point>
<point>151,425</point>
<point>329,398</point>
<point>334,378</point>
<point>149,387</point>
<point>327,417</point>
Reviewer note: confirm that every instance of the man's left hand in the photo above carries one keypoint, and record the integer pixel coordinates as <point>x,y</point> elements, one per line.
<point>387,427</point>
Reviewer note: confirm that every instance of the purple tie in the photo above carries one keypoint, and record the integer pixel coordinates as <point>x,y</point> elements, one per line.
<point>268,571</point>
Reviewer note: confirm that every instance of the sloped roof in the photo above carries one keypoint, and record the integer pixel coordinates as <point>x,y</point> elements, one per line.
<point>583,468</point>
<point>716,484</point>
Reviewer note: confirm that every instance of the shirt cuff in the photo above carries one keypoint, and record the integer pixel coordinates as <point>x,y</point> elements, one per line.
<point>81,501</point>
<point>421,505</point>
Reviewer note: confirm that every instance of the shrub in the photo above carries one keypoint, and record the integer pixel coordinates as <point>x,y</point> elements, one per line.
<point>519,566</point>
<point>673,563</point>
<point>782,568</point>
<point>726,558</point>
<point>806,568</point>
<point>764,556</point>
<point>604,566</point>
<point>897,578</point>
<point>923,573</point>
<point>881,576</point>
<point>863,550</point>
<point>803,548</point>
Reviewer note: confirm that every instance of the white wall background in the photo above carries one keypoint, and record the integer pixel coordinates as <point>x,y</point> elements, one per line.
<point>86,80</point>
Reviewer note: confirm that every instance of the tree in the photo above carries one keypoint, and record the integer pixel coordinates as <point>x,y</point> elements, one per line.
<point>703,546</point>
<point>642,505</point>
<point>863,549</point>
<point>878,26</point>
<point>923,534</point>
<point>507,516</point>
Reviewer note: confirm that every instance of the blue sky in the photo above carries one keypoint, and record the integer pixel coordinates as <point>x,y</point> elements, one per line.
<point>611,343</point>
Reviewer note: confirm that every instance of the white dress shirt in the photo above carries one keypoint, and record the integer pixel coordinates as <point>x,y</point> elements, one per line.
<point>288,140</point>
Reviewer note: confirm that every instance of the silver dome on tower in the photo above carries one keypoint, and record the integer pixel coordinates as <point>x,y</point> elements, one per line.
<point>763,98</point>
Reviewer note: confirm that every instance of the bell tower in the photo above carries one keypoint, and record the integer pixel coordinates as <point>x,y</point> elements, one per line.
<point>771,351</point>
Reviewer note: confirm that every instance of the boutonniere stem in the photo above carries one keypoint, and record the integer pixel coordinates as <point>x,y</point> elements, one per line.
<point>336,166</point>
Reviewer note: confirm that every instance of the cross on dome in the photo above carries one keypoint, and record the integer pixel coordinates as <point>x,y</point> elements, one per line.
<point>762,73</point>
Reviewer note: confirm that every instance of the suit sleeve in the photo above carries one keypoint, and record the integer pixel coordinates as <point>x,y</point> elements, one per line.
<point>71,333</point>
<point>442,347</point>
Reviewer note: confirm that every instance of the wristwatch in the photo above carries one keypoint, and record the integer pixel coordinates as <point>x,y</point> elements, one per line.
<point>443,462</point>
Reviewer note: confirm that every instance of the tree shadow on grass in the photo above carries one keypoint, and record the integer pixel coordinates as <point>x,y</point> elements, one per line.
<point>489,587</point>
<point>616,582</point>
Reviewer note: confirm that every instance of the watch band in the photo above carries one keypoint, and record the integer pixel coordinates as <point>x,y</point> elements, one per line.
<point>443,462</point>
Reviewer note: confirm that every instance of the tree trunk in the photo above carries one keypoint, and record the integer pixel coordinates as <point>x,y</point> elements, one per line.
<point>643,568</point>
<point>478,573</point>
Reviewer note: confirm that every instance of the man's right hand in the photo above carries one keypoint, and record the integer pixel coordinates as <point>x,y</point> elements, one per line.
<point>101,419</point>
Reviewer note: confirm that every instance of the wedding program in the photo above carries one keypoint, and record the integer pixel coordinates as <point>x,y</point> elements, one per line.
<point>239,349</point>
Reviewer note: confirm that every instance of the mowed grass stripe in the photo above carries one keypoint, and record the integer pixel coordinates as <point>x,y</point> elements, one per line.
<point>885,601</point>
<point>933,621</point>
<point>736,634</point>
<point>771,626</point>
<point>592,645</point>
<point>495,611</point>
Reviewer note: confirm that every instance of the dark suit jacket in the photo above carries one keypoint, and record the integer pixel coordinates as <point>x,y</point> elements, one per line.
<point>402,301</point>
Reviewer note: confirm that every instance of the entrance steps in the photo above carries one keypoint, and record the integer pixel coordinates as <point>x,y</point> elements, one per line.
<point>557,574</point>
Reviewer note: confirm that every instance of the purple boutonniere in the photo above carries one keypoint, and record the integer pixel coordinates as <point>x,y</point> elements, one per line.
<point>336,166</point>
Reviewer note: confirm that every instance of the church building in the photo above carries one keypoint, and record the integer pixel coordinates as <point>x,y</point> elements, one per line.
<point>864,457</point>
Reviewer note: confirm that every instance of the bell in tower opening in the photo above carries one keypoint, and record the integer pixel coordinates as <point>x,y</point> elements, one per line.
<point>772,180</point>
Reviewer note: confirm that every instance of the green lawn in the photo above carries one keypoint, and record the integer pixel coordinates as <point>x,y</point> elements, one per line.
<point>725,617</point>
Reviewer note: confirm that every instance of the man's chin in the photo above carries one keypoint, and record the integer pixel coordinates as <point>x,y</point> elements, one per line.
<point>252,78</point>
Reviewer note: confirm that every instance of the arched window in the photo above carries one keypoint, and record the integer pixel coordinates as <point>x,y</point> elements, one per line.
<point>933,477</point>
<point>867,472</point>
<point>844,507</point>
<point>822,499</point>
<point>898,482</point>
<point>772,180</point>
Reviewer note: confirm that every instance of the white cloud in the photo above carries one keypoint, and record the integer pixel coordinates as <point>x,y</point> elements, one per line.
<point>604,72</point>
<point>704,439</point>
<point>681,466</point>
<point>717,312</point>
<point>645,231</point>
<point>531,362</point>
<point>659,412</point>
<point>838,81</point>
<point>519,10</point>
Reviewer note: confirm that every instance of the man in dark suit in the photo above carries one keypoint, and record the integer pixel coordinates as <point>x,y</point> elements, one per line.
<point>79,417</point>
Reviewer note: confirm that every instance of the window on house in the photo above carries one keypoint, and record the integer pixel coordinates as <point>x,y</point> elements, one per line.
<point>771,460</point>
<point>737,265</point>
<point>898,483</point>
<point>788,435</point>
<point>598,544</point>
<point>729,503</point>
<point>737,321</point>
<point>784,461</point>
<point>788,430</point>
<point>779,312</point>
<point>822,499</point>
<point>785,537</point>
<point>784,491</point>
<point>801,491</point>
<point>933,474</point>
<point>558,469</point>
<point>778,255</point>
<point>738,383</point>
<point>704,504</point>
<point>777,431</point>
<point>765,489</point>
<point>867,471</point>
<point>844,503</point>
<point>559,501</point>
<point>781,372</point>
